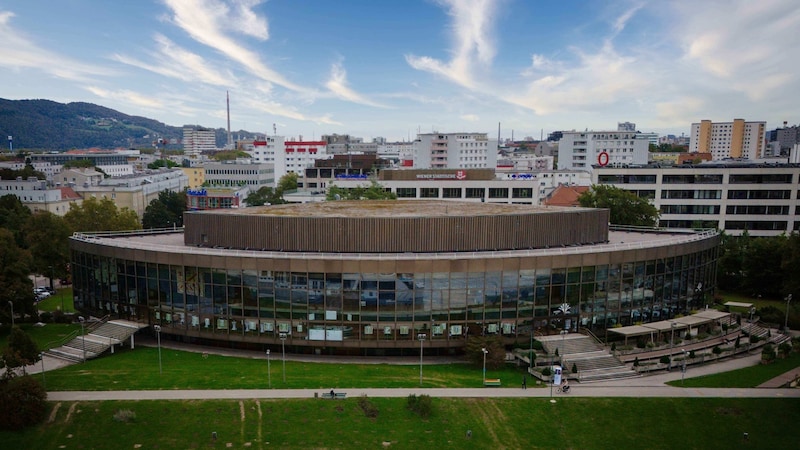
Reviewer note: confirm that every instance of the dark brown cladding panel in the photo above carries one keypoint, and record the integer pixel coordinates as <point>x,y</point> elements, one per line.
<point>398,234</point>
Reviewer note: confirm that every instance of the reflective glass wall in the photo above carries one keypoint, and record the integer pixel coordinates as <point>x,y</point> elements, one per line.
<point>314,308</point>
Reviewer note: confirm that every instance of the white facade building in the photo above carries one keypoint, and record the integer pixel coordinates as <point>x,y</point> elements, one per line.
<point>287,156</point>
<point>455,151</point>
<point>37,196</point>
<point>580,150</point>
<point>197,140</point>
<point>760,198</point>
<point>737,139</point>
<point>242,172</point>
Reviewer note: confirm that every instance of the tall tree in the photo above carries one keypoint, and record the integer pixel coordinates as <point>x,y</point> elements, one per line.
<point>789,263</point>
<point>101,215</point>
<point>165,211</point>
<point>15,286</point>
<point>626,208</point>
<point>375,191</point>
<point>13,216</point>
<point>47,238</point>
<point>261,197</point>
<point>21,351</point>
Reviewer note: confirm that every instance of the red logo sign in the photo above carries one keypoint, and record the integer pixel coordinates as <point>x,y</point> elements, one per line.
<point>602,159</point>
<point>461,175</point>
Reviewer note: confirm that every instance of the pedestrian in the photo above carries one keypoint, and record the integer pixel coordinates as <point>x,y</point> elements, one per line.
<point>333,394</point>
<point>524,382</point>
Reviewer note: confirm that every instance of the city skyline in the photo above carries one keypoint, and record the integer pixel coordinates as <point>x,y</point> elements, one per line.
<point>393,69</point>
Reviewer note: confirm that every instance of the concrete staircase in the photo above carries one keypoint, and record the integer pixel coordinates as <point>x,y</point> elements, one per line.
<point>100,337</point>
<point>593,362</point>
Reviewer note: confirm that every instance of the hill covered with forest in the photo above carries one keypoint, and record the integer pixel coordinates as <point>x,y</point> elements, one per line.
<point>48,125</point>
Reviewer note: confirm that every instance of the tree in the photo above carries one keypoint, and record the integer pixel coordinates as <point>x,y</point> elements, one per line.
<point>13,216</point>
<point>789,264</point>
<point>496,355</point>
<point>100,215</point>
<point>375,191</point>
<point>165,211</point>
<point>16,287</point>
<point>21,351</point>
<point>267,195</point>
<point>626,208</point>
<point>23,402</point>
<point>159,163</point>
<point>47,238</point>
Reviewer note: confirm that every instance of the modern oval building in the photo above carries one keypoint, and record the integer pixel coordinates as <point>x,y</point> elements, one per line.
<point>369,277</point>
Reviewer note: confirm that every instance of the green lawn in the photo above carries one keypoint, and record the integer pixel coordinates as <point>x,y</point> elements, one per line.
<point>138,369</point>
<point>61,299</point>
<point>578,423</point>
<point>747,377</point>
<point>45,337</point>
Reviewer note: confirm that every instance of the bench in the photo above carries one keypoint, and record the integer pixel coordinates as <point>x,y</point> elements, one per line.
<point>336,395</point>
<point>491,382</point>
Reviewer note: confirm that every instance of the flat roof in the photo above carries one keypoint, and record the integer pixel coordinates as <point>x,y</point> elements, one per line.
<point>681,323</point>
<point>393,208</point>
<point>739,304</point>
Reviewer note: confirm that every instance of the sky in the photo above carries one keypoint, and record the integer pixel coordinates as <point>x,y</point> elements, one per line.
<point>392,68</point>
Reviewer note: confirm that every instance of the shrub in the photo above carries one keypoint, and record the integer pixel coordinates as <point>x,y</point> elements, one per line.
<point>754,339</point>
<point>46,317</point>
<point>422,405</point>
<point>546,371</point>
<point>768,353</point>
<point>716,350</point>
<point>725,327</point>
<point>556,352</point>
<point>22,402</point>
<point>664,359</point>
<point>691,354</point>
<point>641,343</point>
<point>737,343</point>
<point>636,362</point>
<point>538,345</point>
<point>575,367</point>
<point>370,410</point>
<point>784,349</point>
<point>613,346</point>
<point>124,415</point>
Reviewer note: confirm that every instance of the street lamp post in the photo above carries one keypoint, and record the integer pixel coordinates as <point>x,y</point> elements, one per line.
<point>484,364</point>
<point>44,383</point>
<point>83,336</point>
<point>421,337</point>
<point>11,304</point>
<point>750,332</point>
<point>157,328</point>
<point>671,344</point>
<point>283,354</point>
<point>269,372</point>
<point>683,369</point>
<point>786,321</point>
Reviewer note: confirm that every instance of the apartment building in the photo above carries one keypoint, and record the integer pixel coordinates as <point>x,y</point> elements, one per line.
<point>455,151</point>
<point>197,140</point>
<point>737,139</point>
<point>732,196</point>
<point>580,150</point>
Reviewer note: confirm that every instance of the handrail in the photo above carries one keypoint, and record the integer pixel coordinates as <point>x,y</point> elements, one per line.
<point>61,341</point>
<point>588,332</point>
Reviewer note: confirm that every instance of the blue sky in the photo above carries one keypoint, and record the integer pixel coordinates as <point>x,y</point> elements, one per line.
<point>392,67</point>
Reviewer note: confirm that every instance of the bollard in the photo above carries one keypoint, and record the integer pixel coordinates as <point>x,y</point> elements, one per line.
<point>214,435</point>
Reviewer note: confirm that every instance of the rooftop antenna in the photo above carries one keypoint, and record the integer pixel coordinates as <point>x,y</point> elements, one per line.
<point>274,130</point>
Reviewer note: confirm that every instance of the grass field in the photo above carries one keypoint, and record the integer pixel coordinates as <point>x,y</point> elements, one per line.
<point>139,369</point>
<point>48,334</point>
<point>61,299</point>
<point>747,377</point>
<point>579,423</point>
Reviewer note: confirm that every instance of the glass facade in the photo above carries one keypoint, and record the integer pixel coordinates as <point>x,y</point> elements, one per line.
<point>449,300</point>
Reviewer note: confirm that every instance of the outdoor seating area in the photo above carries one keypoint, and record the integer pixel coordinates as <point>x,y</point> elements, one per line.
<point>492,382</point>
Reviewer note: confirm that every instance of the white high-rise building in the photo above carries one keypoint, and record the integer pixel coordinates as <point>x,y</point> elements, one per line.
<point>737,139</point>
<point>287,156</point>
<point>580,150</point>
<point>197,140</point>
<point>455,151</point>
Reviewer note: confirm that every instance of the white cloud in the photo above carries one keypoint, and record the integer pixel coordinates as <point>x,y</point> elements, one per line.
<point>208,21</point>
<point>337,84</point>
<point>126,96</point>
<point>19,51</point>
<point>175,62</point>
<point>470,118</point>
<point>472,22</point>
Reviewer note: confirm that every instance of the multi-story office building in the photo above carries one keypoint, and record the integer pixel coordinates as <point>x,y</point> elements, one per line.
<point>781,140</point>
<point>136,191</point>
<point>365,278</point>
<point>759,198</point>
<point>287,156</point>
<point>580,150</point>
<point>470,185</point>
<point>241,172</point>
<point>37,196</point>
<point>197,140</point>
<point>95,157</point>
<point>196,176</point>
<point>723,140</point>
<point>455,151</point>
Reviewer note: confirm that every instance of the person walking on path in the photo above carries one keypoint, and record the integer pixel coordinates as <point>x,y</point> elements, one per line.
<point>524,382</point>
